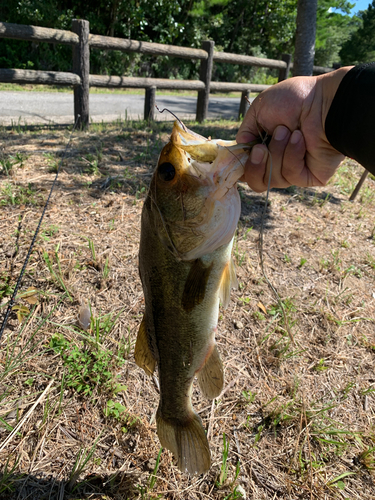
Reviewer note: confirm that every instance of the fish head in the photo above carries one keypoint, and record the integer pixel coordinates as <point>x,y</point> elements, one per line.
<point>193,194</point>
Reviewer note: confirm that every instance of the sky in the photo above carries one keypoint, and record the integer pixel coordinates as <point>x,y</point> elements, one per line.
<point>360,5</point>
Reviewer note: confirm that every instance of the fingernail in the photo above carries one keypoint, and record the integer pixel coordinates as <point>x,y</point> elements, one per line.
<point>244,137</point>
<point>257,155</point>
<point>280,133</point>
<point>296,137</point>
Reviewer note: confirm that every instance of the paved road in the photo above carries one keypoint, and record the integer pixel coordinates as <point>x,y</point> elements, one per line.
<point>57,107</point>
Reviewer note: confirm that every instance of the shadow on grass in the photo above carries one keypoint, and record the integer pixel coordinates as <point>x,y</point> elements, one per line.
<point>42,486</point>
<point>120,158</point>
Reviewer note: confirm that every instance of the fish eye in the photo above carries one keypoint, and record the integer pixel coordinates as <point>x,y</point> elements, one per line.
<point>166,171</point>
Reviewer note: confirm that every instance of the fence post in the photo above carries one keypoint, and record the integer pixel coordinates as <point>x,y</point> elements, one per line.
<point>205,76</point>
<point>244,104</point>
<point>149,112</point>
<point>359,185</point>
<point>284,72</point>
<point>81,66</point>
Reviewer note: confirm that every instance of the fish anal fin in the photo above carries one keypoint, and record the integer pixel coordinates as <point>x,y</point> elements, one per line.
<point>142,353</point>
<point>211,376</point>
<point>196,284</point>
<point>228,281</point>
<point>187,441</point>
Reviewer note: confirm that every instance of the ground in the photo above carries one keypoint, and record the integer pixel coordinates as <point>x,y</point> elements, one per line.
<point>77,416</point>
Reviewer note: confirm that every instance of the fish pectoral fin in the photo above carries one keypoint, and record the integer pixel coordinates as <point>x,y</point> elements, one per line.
<point>187,441</point>
<point>228,281</point>
<point>211,376</point>
<point>142,353</point>
<point>195,286</point>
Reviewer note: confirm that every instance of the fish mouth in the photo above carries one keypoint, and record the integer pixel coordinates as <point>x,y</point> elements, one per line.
<point>227,168</point>
<point>218,162</point>
<point>218,165</point>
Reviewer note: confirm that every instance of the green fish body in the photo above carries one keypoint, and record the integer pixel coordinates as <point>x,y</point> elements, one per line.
<point>188,222</point>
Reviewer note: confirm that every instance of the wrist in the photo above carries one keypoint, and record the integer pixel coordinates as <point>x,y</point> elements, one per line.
<point>329,83</point>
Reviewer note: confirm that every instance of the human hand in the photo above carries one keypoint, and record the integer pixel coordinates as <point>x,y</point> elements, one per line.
<point>293,112</point>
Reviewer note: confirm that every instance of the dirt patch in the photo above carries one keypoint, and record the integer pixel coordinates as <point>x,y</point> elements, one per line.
<point>295,420</point>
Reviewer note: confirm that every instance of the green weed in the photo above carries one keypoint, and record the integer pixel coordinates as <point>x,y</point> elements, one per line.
<point>11,194</point>
<point>55,270</point>
<point>224,464</point>
<point>249,396</point>
<point>114,409</point>
<point>82,460</point>
<point>49,232</point>
<point>6,166</point>
<point>152,481</point>
<point>89,368</point>
<point>302,262</point>
<point>52,162</point>
<point>8,478</point>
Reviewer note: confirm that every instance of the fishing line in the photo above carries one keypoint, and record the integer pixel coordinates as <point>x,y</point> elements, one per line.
<point>19,281</point>
<point>261,252</point>
<point>177,118</point>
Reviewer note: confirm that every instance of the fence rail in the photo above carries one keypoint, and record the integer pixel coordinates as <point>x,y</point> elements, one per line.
<point>82,41</point>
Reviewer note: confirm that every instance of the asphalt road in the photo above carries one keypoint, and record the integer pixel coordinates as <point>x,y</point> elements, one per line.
<point>58,107</point>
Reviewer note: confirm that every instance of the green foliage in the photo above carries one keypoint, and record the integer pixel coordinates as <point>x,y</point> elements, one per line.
<point>18,195</point>
<point>114,409</point>
<point>333,29</point>
<point>89,367</point>
<point>265,28</point>
<point>224,465</point>
<point>361,45</point>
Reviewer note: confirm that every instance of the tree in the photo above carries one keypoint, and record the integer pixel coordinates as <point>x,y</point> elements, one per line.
<point>361,45</point>
<point>334,27</point>
<point>305,37</point>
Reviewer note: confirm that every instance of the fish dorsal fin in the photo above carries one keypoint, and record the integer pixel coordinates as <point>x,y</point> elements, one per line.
<point>228,281</point>
<point>142,353</point>
<point>211,376</point>
<point>196,284</point>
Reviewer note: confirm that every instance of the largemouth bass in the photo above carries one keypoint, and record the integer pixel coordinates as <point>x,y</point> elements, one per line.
<point>188,222</point>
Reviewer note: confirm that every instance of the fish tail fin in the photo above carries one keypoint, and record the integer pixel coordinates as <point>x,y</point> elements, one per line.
<point>211,376</point>
<point>187,441</point>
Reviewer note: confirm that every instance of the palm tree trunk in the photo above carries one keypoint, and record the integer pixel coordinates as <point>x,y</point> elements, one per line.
<point>305,38</point>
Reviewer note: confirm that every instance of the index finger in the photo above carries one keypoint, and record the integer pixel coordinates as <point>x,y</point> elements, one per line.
<point>248,130</point>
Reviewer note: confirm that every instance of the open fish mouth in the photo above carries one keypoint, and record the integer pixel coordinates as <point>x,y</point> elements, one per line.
<point>198,204</point>
<point>221,163</point>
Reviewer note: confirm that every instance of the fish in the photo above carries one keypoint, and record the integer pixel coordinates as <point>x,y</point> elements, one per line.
<point>188,222</point>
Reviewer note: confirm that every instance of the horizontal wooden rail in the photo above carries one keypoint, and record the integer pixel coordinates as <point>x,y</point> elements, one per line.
<point>320,70</point>
<point>42,77</point>
<point>81,40</point>
<point>112,43</point>
<point>237,87</point>
<point>228,58</point>
<point>144,83</point>
<point>317,70</point>
<point>71,79</point>
<point>32,33</point>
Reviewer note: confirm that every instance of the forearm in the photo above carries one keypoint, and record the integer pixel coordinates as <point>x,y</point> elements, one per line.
<point>349,112</point>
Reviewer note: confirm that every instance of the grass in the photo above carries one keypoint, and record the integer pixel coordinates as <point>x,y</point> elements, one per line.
<point>293,421</point>
<point>11,195</point>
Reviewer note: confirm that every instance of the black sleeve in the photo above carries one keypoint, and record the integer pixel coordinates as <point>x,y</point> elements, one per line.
<point>350,123</point>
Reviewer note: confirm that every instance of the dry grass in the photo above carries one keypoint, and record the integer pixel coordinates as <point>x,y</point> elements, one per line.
<point>298,418</point>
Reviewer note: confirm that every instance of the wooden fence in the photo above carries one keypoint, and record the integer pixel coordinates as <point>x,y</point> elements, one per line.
<point>81,80</point>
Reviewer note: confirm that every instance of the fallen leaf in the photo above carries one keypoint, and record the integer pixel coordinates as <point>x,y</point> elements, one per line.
<point>261,306</point>
<point>31,295</point>
<point>21,311</point>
